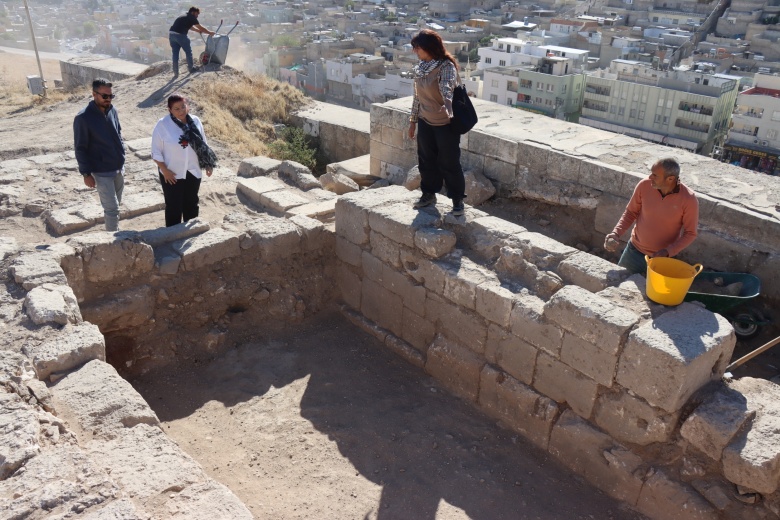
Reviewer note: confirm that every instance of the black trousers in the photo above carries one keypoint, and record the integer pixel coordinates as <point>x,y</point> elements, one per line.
<point>181,199</point>
<point>438,158</point>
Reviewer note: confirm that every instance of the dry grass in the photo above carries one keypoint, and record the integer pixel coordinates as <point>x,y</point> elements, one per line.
<point>241,110</point>
<point>14,97</point>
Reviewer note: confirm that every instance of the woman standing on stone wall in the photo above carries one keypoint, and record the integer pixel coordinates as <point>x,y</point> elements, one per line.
<point>180,150</point>
<point>438,144</point>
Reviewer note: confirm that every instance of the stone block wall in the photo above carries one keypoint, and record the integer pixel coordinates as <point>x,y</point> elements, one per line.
<point>599,377</point>
<point>342,133</point>
<point>81,71</point>
<point>531,156</point>
<point>170,292</point>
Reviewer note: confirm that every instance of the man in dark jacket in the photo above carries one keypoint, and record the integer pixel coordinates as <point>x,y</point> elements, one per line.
<point>177,36</point>
<point>100,151</point>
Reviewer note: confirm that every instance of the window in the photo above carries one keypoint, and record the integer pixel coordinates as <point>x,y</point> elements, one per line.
<point>500,45</point>
<point>706,81</point>
<point>655,19</point>
<point>624,95</point>
<point>550,87</point>
<point>488,60</point>
<point>539,85</point>
<point>563,90</point>
<point>771,134</point>
<point>538,101</point>
<point>632,113</point>
<point>644,98</point>
<point>596,89</point>
<point>494,98</point>
<point>621,111</point>
<point>509,101</point>
<point>675,21</point>
<point>641,114</point>
<point>657,119</point>
<point>612,109</point>
<point>501,63</point>
<point>595,105</point>
<point>660,102</point>
<point>526,83</point>
<point>669,104</point>
<point>666,120</point>
<point>494,83</point>
<point>636,97</point>
<point>577,87</point>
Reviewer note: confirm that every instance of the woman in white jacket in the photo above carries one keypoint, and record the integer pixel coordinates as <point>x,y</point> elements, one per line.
<point>178,144</point>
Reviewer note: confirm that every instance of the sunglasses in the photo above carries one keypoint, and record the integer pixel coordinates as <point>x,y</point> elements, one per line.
<point>105,96</point>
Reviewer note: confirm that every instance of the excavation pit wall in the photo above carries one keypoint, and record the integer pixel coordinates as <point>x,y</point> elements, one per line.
<point>564,348</point>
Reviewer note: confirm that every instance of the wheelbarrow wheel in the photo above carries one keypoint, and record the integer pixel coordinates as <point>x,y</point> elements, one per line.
<point>745,325</point>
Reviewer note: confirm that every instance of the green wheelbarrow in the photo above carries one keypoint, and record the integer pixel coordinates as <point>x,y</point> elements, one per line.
<point>743,318</point>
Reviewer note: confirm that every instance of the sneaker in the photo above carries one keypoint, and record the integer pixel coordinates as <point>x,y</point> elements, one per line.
<point>427,199</point>
<point>193,70</point>
<point>457,208</point>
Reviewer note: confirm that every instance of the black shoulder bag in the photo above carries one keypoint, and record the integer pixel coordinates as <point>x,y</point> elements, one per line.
<point>464,116</point>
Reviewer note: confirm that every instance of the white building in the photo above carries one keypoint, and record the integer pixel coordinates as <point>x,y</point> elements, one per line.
<point>754,138</point>
<point>686,109</point>
<point>510,52</point>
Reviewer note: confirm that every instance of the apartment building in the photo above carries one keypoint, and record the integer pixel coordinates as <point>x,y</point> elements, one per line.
<point>510,52</point>
<point>686,109</point>
<point>754,138</point>
<point>545,88</point>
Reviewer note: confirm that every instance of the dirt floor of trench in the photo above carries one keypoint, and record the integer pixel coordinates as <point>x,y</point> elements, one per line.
<point>318,420</point>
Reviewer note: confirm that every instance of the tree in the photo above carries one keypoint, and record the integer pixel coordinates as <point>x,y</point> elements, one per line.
<point>89,28</point>
<point>286,40</point>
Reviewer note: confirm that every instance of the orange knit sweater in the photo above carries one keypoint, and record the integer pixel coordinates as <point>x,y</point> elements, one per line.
<point>669,222</point>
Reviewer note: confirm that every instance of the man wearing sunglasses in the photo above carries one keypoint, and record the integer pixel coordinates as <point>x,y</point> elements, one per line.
<point>100,151</point>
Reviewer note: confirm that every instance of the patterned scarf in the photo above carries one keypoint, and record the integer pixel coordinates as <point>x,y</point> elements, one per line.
<point>191,137</point>
<point>424,68</point>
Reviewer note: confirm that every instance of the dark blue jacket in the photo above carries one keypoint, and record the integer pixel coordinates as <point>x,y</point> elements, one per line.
<point>98,140</point>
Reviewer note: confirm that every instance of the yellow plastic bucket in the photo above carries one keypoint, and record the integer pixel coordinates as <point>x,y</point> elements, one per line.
<point>668,279</point>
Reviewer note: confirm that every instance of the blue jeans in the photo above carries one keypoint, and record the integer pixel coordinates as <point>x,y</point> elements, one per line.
<point>633,260</point>
<point>180,41</point>
<point>110,192</point>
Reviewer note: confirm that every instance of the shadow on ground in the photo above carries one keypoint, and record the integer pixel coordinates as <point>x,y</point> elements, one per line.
<point>404,440</point>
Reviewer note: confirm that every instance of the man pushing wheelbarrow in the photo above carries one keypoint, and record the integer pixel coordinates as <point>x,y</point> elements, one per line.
<point>216,47</point>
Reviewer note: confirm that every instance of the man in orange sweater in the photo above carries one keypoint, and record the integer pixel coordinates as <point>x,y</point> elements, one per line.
<point>666,214</point>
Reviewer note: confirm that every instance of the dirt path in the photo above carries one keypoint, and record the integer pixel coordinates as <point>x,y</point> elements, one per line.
<point>322,422</point>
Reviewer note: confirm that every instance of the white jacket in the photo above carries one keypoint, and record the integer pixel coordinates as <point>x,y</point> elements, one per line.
<point>166,148</point>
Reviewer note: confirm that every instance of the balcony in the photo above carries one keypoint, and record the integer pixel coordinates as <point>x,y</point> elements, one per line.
<point>692,126</point>
<point>758,114</point>
<point>695,109</point>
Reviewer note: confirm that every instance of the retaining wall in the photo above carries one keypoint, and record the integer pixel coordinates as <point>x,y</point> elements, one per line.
<point>565,349</point>
<point>81,71</point>
<point>531,156</point>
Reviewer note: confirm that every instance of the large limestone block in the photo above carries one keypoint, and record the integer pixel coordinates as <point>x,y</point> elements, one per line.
<point>632,295</point>
<point>51,303</point>
<point>282,200</point>
<point>631,419</point>
<point>487,235</point>
<point>72,347</point>
<point>99,401</point>
<point>19,432</point>
<point>254,188</point>
<point>667,360</point>
<point>209,248</point>
<point>543,251</point>
<point>165,235</point>
<point>140,204</point>
<point>411,292</point>
<point>400,222</point>
<point>352,210</point>
<point>57,483</point>
<point>455,366</point>
<point>495,302</point>
<point>111,256</point>
<point>435,242</point>
<point>349,285</point>
<point>462,280</point>
<point>590,317</point>
<point>565,385</point>
<point>515,356</point>
<point>417,331</point>
<point>381,306</point>
<point>144,450</point>
<point>208,500</point>
<point>513,267</point>
<point>348,252</point>
<point>590,272</point>
<point>338,183</point>
<point>524,410</point>
<point>589,359</point>
<point>275,237</point>
<point>430,273</point>
<point>322,209</point>
<point>316,235</point>
<point>459,324</point>
<point>121,310</point>
<point>257,166</point>
<point>715,422</point>
<point>478,187</point>
<point>752,459</point>
<point>35,269</point>
<point>596,456</point>
<point>63,221</point>
<point>385,249</point>
<point>299,175</point>
<point>529,323</point>
<point>662,497</point>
